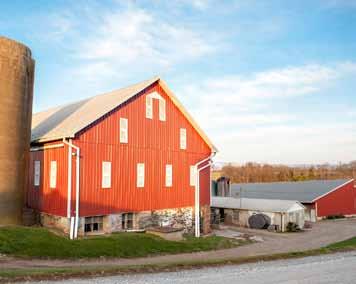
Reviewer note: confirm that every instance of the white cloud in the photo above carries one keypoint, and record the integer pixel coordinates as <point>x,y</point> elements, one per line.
<point>240,114</point>
<point>243,93</point>
<point>129,40</point>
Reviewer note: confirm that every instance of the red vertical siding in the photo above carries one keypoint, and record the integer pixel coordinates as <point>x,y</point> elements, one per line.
<point>152,142</point>
<point>44,198</point>
<point>341,201</point>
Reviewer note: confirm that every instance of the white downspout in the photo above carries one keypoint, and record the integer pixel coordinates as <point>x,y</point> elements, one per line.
<point>69,197</point>
<point>197,192</point>
<point>77,189</point>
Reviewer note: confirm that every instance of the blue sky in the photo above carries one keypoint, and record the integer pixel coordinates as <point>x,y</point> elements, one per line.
<point>269,81</point>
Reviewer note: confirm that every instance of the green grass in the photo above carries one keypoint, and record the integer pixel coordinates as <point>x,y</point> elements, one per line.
<point>348,244</point>
<point>206,243</point>
<point>41,243</point>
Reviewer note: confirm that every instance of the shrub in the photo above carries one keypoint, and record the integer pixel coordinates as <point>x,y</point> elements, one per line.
<point>292,227</point>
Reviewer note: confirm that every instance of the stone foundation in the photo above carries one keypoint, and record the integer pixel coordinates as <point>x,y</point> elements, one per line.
<point>57,222</point>
<point>180,218</point>
<point>176,218</point>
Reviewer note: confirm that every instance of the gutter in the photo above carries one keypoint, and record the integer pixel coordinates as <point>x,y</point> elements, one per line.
<point>41,148</point>
<point>197,191</point>
<point>74,221</point>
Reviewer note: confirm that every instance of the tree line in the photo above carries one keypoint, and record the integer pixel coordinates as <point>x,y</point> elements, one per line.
<point>254,172</point>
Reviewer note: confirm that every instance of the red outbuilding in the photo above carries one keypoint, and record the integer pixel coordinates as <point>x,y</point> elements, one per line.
<point>322,198</point>
<point>129,159</point>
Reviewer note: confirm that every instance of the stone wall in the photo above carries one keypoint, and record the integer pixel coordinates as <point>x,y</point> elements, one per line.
<point>176,218</point>
<point>112,223</point>
<point>58,222</point>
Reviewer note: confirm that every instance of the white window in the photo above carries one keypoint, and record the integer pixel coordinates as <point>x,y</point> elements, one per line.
<point>169,174</point>
<point>140,175</point>
<point>106,175</point>
<point>123,130</point>
<point>149,107</point>
<point>183,138</point>
<point>53,175</point>
<point>193,175</point>
<point>37,173</point>
<point>162,110</point>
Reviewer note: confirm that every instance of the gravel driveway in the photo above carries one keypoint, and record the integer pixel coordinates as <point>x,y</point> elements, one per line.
<point>322,234</point>
<point>336,268</point>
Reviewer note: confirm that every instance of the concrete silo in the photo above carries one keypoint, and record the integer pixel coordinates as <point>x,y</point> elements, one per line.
<point>16,92</point>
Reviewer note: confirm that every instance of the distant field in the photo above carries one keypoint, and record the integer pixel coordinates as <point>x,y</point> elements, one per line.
<point>39,242</point>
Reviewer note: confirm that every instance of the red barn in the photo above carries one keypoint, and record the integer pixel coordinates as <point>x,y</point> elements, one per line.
<point>128,159</point>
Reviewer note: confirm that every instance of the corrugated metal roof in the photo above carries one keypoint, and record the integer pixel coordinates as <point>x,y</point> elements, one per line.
<point>306,191</point>
<point>262,205</point>
<point>67,120</point>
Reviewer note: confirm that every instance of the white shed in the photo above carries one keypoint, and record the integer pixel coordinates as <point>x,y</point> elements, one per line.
<point>238,210</point>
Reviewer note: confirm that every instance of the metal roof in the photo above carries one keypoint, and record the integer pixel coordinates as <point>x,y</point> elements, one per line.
<point>306,191</point>
<point>67,120</point>
<point>255,204</point>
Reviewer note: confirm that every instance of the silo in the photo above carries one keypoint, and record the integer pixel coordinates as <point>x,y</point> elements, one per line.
<point>16,92</point>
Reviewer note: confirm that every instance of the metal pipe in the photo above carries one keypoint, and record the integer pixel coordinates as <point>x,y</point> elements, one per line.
<point>77,185</point>
<point>77,195</point>
<point>69,197</point>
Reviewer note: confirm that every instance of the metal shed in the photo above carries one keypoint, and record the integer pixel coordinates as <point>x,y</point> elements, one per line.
<point>237,211</point>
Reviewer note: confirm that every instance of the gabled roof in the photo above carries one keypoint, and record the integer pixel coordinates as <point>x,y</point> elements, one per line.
<point>67,120</point>
<point>255,204</point>
<point>305,192</point>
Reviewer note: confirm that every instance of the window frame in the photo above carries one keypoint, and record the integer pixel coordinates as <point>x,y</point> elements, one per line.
<point>124,128</point>
<point>53,174</point>
<point>162,109</point>
<point>182,138</point>
<point>169,175</point>
<point>149,107</point>
<point>140,175</point>
<point>106,166</point>
<point>192,175</point>
<point>37,173</point>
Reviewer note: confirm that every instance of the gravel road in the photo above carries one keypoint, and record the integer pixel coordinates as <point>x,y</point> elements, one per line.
<point>336,268</point>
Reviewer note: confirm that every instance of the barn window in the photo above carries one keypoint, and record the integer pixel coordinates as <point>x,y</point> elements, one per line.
<point>169,175</point>
<point>183,138</point>
<point>123,130</point>
<point>149,107</point>
<point>53,175</point>
<point>93,224</point>
<point>140,175</point>
<point>37,173</point>
<point>106,175</point>
<point>127,221</point>
<point>193,174</point>
<point>162,110</point>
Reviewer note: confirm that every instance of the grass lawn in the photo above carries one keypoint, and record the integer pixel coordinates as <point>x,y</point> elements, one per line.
<point>39,242</point>
<point>348,244</point>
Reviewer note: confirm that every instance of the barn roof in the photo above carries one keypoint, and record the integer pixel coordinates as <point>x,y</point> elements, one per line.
<point>306,191</point>
<point>67,120</point>
<point>255,204</point>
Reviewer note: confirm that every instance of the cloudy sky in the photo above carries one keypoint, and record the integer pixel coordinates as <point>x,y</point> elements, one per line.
<point>269,81</point>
